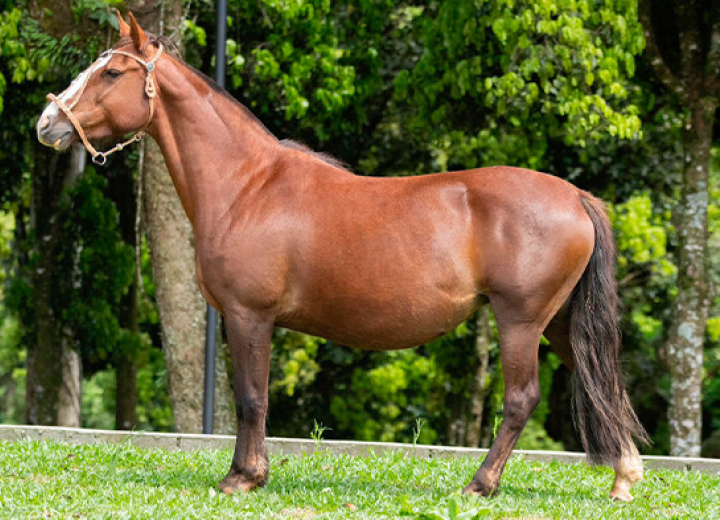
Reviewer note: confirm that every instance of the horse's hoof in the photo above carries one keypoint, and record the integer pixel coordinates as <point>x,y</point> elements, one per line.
<point>233,484</point>
<point>621,491</point>
<point>237,488</point>
<point>480,490</point>
<point>621,496</point>
<point>628,472</point>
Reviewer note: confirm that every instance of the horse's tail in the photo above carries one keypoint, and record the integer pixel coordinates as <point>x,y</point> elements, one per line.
<point>603,414</point>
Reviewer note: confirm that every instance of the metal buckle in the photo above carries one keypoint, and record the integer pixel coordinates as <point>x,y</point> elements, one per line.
<point>99,159</point>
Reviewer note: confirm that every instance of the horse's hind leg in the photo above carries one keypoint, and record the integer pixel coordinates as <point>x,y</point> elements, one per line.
<point>628,469</point>
<point>519,342</point>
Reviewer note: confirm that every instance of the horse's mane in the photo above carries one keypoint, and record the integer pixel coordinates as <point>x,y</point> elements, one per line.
<point>289,143</point>
<point>170,46</point>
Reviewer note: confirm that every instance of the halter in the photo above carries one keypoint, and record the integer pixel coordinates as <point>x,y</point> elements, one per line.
<point>150,91</point>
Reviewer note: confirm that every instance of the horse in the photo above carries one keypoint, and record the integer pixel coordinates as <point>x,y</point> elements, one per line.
<point>285,237</point>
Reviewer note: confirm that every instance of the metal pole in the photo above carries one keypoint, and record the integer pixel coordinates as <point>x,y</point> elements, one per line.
<point>221,31</point>
<point>210,349</point>
<point>211,322</point>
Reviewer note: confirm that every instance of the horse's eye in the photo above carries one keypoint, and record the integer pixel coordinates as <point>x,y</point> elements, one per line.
<point>113,73</point>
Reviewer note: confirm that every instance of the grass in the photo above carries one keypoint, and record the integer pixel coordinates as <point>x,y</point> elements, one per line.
<point>54,480</point>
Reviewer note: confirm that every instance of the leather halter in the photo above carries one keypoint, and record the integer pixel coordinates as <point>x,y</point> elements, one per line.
<point>150,91</point>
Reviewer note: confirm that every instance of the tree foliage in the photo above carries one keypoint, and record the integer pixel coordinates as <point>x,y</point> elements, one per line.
<point>98,267</point>
<point>93,266</point>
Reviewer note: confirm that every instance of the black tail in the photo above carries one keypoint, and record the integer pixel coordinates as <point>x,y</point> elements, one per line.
<point>603,414</point>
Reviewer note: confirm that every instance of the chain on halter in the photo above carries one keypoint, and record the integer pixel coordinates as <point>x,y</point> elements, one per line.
<point>150,91</point>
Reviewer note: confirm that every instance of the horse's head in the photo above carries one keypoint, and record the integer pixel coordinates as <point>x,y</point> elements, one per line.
<point>111,98</point>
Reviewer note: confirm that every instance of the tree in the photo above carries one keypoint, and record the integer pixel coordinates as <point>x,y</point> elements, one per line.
<point>483,344</point>
<point>52,395</point>
<point>70,394</point>
<point>683,48</point>
<point>44,380</point>
<point>122,192</point>
<point>71,267</point>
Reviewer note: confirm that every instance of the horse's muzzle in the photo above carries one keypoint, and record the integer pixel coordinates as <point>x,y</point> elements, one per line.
<point>52,132</point>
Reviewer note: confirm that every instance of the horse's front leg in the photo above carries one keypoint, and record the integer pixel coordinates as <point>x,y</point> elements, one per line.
<point>249,339</point>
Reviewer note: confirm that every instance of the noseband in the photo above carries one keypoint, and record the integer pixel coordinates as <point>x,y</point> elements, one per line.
<point>150,91</point>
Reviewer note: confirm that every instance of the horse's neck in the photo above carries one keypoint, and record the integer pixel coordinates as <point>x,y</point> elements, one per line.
<point>211,146</point>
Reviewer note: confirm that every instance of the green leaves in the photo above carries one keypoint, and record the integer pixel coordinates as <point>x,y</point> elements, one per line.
<point>9,45</point>
<point>194,34</point>
<point>562,62</point>
<point>644,269</point>
<point>100,268</point>
<point>292,63</point>
<point>641,235</point>
<point>295,354</point>
<point>387,398</point>
<point>97,10</point>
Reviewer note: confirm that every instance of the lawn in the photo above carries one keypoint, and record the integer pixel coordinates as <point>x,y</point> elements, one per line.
<point>54,480</point>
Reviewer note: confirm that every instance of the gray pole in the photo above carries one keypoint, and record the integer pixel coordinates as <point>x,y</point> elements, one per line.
<point>211,322</point>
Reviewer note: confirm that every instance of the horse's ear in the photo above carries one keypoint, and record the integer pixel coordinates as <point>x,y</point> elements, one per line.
<point>124,27</point>
<point>137,34</point>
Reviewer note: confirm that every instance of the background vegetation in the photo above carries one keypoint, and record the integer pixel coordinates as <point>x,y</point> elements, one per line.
<point>390,88</point>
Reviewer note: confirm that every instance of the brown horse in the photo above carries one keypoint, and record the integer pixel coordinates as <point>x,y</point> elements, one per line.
<point>285,238</point>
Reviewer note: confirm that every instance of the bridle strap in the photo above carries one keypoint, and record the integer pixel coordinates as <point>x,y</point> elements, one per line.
<point>150,91</point>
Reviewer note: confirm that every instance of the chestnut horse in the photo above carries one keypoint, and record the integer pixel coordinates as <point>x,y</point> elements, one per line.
<point>284,237</point>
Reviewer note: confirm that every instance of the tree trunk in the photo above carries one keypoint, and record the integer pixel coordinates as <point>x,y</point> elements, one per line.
<point>687,333</point>
<point>44,381</point>
<point>125,394</point>
<point>70,396</point>
<point>122,192</point>
<point>125,367</point>
<point>225,421</point>
<point>477,403</point>
<point>687,63</point>
<point>182,309</point>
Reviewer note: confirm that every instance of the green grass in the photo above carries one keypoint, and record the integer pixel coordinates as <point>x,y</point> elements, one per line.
<point>54,480</point>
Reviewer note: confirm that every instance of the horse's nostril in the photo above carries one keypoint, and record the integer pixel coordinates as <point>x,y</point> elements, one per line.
<point>44,122</point>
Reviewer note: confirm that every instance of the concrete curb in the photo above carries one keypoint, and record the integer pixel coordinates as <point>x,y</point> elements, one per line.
<point>282,446</point>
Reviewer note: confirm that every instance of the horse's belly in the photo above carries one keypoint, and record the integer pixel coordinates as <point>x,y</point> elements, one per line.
<point>382,324</point>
